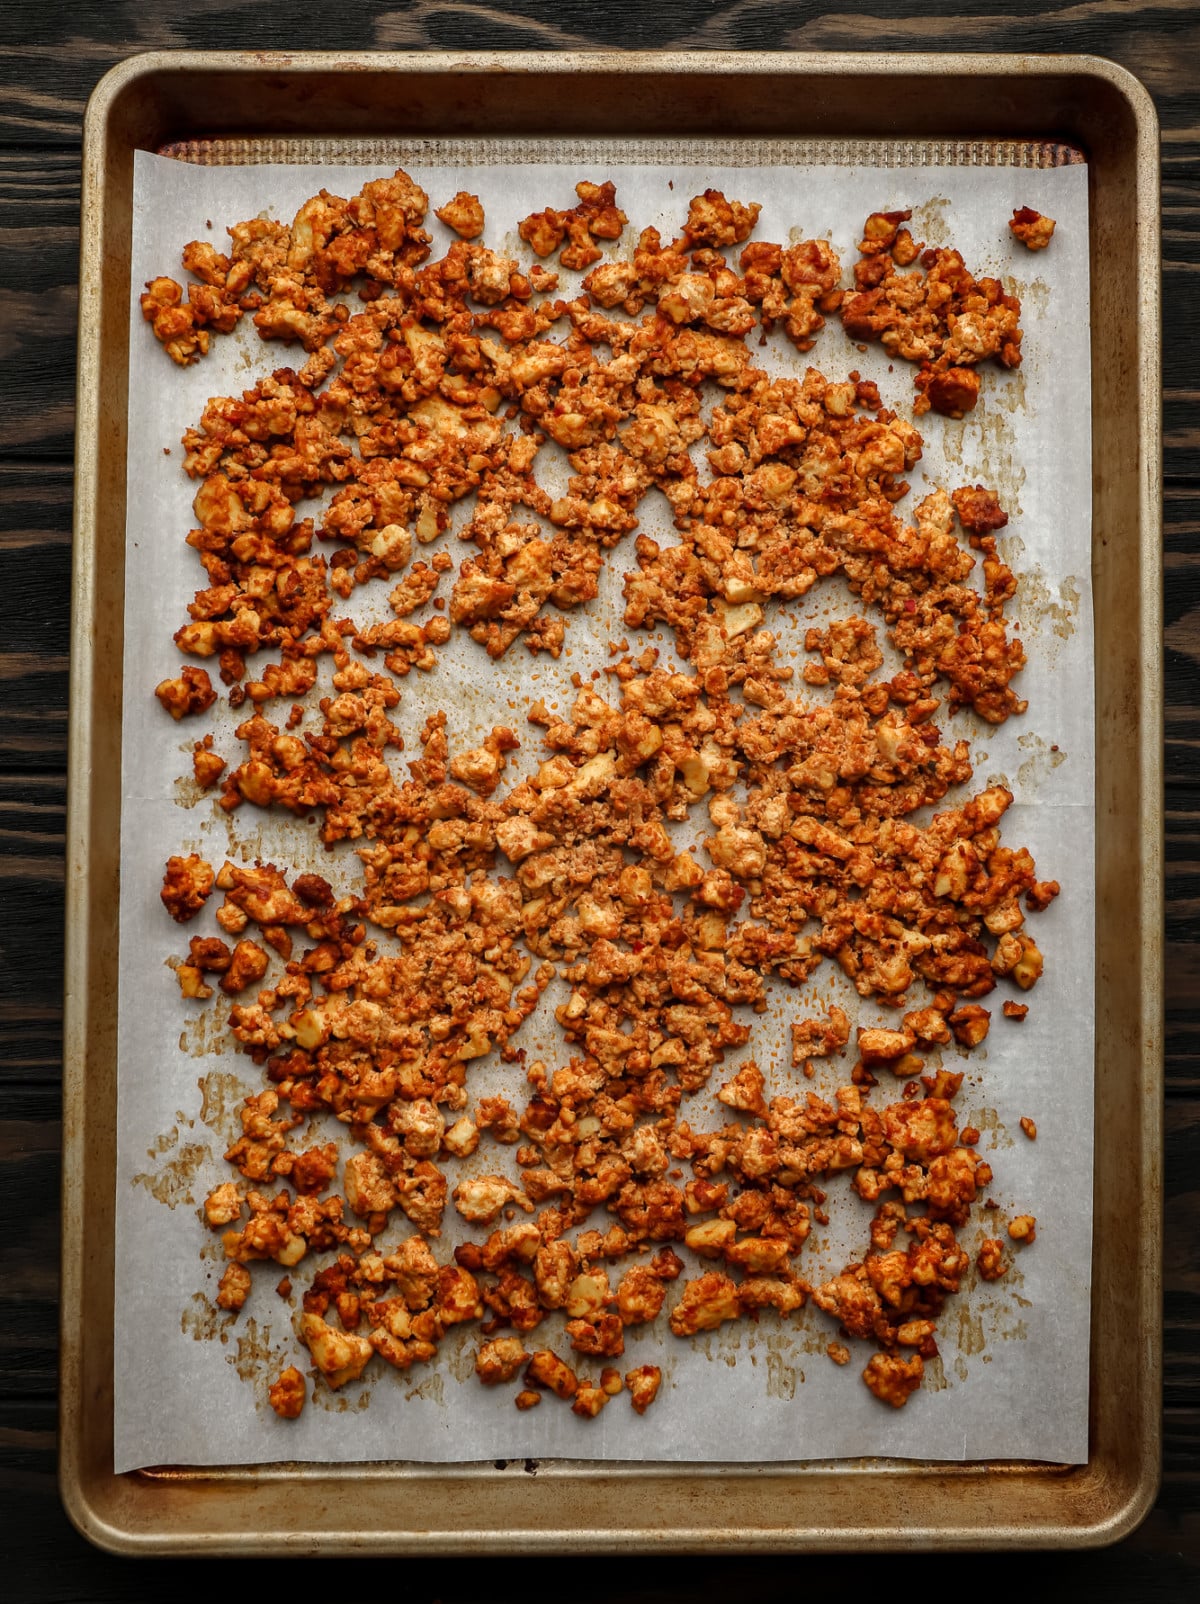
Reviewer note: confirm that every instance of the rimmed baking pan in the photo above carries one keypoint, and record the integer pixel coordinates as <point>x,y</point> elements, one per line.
<point>277,107</point>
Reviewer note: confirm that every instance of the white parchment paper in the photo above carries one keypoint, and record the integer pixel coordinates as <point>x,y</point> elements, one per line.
<point>1012,1381</point>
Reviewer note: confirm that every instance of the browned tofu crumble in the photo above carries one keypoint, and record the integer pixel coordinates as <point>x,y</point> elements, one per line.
<point>287,1394</point>
<point>1032,229</point>
<point>478,894</point>
<point>927,307</point>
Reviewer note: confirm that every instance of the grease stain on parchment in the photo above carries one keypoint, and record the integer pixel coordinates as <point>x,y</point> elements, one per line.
<point>781,1376</point>
<point>935,1375</point>
<point>1015,1277</point>
<point>172,1185</point>
<point>1034,293</point>
<point>187,791</point>
<point>204,1322</point>
<point>341,1403</point>
<point>245,840</point>
<point>458,1358</point>
<point>971,1339</point>
<point>729,1344</point>
<point>928,221</point>
<point>220,1095</point>
<point>1043,759</point>
<point>512,244</point>
<point>1050,614</point>
<point>810,1340</point>
<point>1011,548</point>
<point>432,1389</point>
<point>257,1360</point>
<point>994,1303</point>
<point>204,1035</point>
<point>984,443</point>
<point>987,1119</point>
<point>254,1350</point>
<point>168,1139</point>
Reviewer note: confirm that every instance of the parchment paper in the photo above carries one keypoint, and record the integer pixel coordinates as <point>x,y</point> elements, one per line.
<point>1012,1381</point>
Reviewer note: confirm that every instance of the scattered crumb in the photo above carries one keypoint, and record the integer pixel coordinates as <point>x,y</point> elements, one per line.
<point>287,1394</point>
<point>990,1259</point>
<point>1023,1229</point>
<point>1032,229</point>
<point>464,214</point>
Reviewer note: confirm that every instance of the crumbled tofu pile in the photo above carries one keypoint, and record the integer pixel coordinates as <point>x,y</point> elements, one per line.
<point>936,314</point>
<point>477,895</point>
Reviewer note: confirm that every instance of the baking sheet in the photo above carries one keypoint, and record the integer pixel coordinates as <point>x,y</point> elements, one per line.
<point>1012,1381</point>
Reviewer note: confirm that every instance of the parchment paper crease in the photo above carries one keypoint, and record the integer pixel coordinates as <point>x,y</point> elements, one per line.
<point>1013,1377</point>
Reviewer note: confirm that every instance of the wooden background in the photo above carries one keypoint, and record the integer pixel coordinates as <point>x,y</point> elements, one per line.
<point>51,55</point>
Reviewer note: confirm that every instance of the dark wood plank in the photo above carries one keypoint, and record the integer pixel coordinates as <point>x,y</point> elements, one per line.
<point>51,81</point>
<point>35,579</point>
<point>1181,1275</point>
<point>39,250</point>
<point>29,1176</point>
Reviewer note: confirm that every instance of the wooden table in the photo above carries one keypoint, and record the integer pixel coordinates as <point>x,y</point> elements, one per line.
<point>50,57</point>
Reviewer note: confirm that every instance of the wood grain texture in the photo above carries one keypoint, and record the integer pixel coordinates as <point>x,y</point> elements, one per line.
<point>35,580</point>
<point>39,253</point>
<point>49,62</point>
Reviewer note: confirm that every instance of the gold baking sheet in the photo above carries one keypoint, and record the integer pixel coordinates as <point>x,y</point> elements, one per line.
<point>152,101</point>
